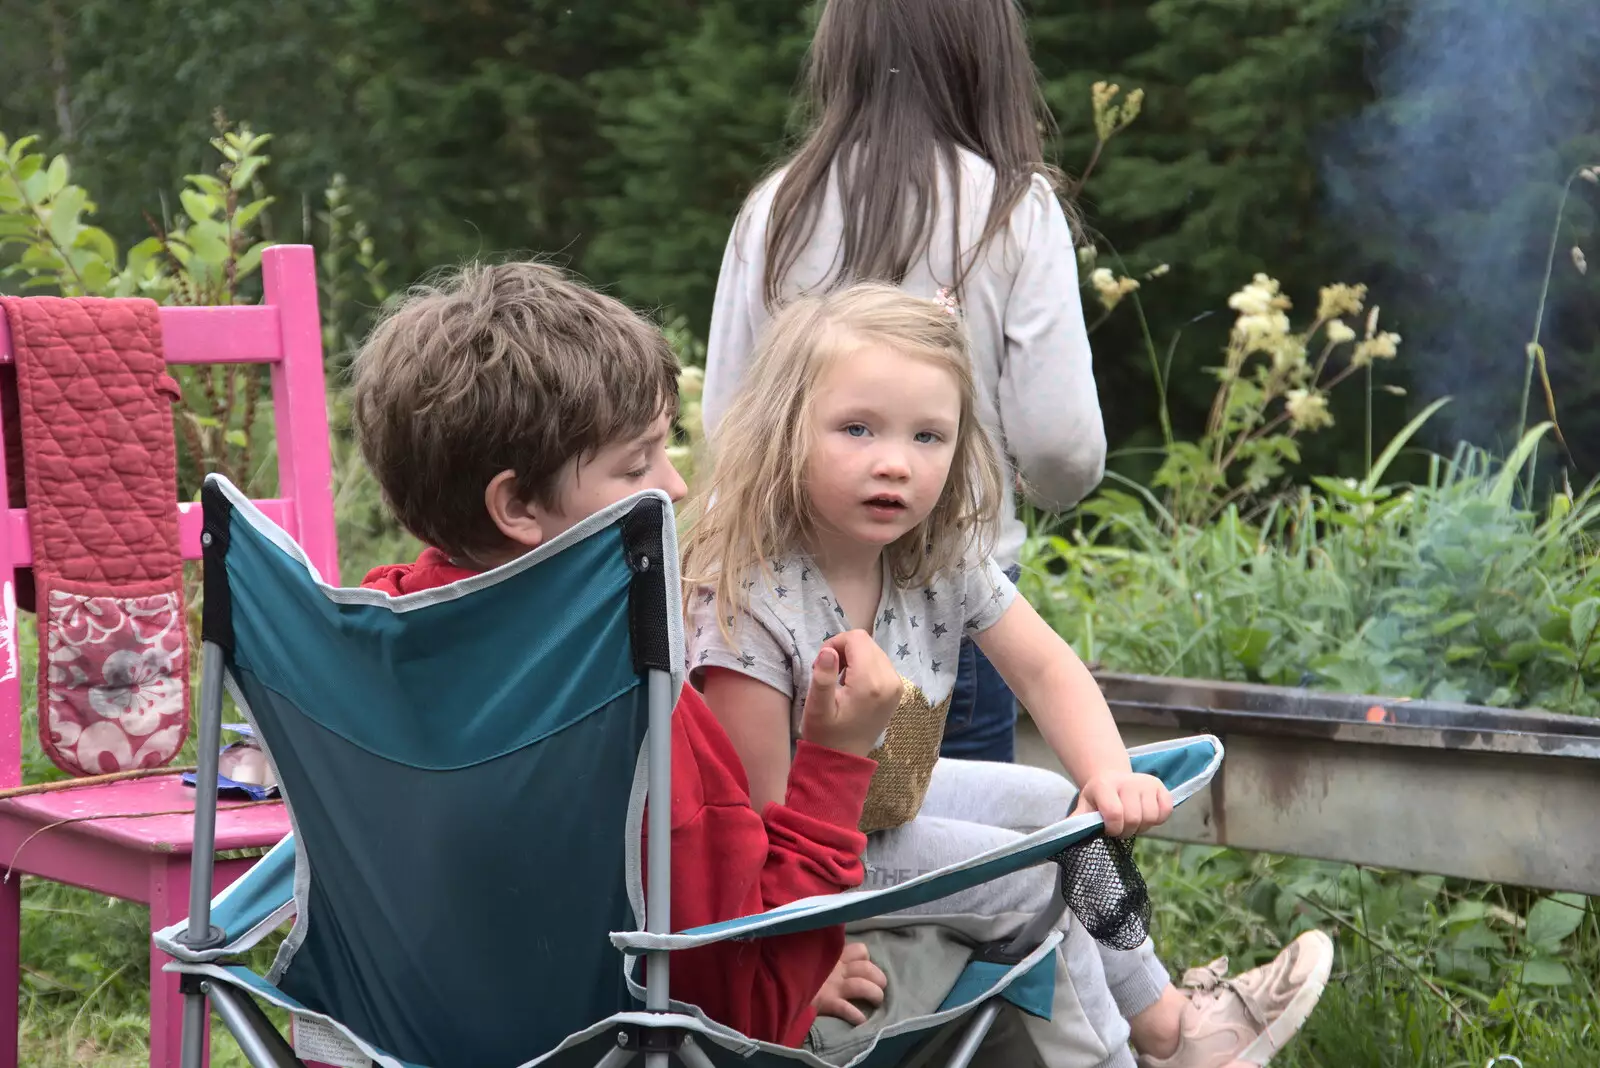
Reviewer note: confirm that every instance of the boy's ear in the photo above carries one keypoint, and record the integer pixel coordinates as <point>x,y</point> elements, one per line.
<point>515,517</point>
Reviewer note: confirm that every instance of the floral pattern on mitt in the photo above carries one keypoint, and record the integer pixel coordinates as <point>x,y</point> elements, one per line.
<point>117,678</point>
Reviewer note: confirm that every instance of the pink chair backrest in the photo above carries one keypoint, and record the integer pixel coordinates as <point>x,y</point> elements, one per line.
<point>285,332</point>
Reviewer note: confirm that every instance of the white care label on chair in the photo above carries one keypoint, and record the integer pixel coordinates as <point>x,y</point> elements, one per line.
<point>315,1040</point>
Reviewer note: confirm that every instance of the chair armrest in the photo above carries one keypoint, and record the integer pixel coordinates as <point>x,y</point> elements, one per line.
<point>1186,765</point>
<point>257,903</point>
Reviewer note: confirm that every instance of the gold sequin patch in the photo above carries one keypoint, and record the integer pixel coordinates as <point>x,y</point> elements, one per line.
<point>905,760</point>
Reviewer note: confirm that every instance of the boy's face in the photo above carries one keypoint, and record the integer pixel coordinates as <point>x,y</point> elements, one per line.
<point>617,471</point>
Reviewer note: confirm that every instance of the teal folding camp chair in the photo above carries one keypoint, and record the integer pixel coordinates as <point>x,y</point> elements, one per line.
<point>465,771</point>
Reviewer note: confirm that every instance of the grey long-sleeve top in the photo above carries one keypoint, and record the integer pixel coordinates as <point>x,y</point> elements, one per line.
<point>1030,348</point>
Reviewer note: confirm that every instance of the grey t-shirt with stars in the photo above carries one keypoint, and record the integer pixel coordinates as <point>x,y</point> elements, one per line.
<point>791,612</point>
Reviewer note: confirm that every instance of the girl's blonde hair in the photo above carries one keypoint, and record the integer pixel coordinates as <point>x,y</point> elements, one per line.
<point>761,508</point>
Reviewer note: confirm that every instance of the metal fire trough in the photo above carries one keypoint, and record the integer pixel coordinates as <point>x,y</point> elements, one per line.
<point>1483,793</point>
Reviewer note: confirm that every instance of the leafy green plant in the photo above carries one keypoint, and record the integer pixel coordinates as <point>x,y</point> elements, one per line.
<point>1444,589</point>
<point>208,257</point>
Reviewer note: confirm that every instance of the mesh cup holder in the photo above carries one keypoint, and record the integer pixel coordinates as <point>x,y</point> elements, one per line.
<point>1102,886</point>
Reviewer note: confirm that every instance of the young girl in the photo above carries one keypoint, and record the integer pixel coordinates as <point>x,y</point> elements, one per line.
<point>853,487</point>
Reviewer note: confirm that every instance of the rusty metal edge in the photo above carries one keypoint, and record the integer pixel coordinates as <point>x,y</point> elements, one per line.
<point>1208,706</point>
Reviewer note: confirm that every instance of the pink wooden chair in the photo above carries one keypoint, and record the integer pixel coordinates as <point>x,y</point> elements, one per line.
<point>147,859</point>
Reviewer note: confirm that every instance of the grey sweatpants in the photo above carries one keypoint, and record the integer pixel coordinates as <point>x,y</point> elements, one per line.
<point>972,806</point>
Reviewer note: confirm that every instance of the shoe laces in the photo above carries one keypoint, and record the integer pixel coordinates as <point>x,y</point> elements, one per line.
<point>1210,984</point>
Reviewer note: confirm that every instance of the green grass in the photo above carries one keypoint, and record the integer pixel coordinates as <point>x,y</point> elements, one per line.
<point>1429,971</point>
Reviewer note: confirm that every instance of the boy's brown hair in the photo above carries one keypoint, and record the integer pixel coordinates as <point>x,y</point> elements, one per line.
<point>496,367</point>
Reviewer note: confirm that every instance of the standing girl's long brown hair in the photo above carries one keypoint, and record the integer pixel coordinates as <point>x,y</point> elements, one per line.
<point>894,89</point>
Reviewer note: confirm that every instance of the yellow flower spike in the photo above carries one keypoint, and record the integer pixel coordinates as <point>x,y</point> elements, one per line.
<point>1288,355</point>
<point>1578,261</point>
<point>1107,115</point>
<point>1109,288</point>
<point>1339,332</point>
<point>1159,270</point>
<point>1591,174</point>
<point>1308,409</point>
<point>1260,297</point>
<point>1341,299</point>
<point>1130,109</point>
<point>1384,346</point>
<point>1372,321</point>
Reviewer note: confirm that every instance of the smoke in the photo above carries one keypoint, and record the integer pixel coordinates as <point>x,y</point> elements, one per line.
<point>1449,185</point>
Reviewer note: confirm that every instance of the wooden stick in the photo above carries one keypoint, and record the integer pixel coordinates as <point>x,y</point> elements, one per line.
<point>116,816</point>
<point>90,780</point>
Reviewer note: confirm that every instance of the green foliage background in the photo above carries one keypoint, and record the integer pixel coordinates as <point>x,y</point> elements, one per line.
<point>621,135</point>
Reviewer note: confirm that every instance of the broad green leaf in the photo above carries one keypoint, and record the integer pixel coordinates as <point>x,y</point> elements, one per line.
<point>1344,489</point>
<point>1452,622</point>
<point>64,213</point>
<point>98,242</point>
<point>1523,651</point>
<point>1545,972</point>
<point>1456,962</point>
<point>209,243</point>
<point>251,259</point>
<point>56,176</point>
<point>1478,936</point>
<point>1585,621</point>
<point>245,171</point>
<point>1248,644</point>
<point>1554,918</point>
<point>247,214</point>
<point>236,438</point>
<point>209,184</point>
<point>198,206</point>
<point>16,226</point>
<point>97,277</point>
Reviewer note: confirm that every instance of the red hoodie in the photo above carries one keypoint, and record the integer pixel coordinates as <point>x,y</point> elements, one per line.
<point>728,861</point>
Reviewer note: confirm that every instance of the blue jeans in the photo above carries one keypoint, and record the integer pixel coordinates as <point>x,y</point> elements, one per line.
<point>982,722</point>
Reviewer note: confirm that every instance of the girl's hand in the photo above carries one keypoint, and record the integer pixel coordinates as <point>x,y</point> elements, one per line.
<point>854,690</point>
<point>1129,803</point>
<point>855,978</point>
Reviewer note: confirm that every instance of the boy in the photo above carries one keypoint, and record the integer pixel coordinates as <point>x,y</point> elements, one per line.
<point>498,409</point>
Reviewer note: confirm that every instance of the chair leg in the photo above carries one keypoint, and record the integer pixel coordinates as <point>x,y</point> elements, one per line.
<point>169,903</point>
<point>692,1055</point>
<point>975,1033</point>
<point>616,1058</point>
<point>10,974</point>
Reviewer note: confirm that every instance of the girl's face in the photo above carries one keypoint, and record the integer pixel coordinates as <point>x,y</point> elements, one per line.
<point>884,428</point>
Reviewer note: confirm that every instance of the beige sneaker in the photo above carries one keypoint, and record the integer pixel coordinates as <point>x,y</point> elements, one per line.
<point>1233,1023</point>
